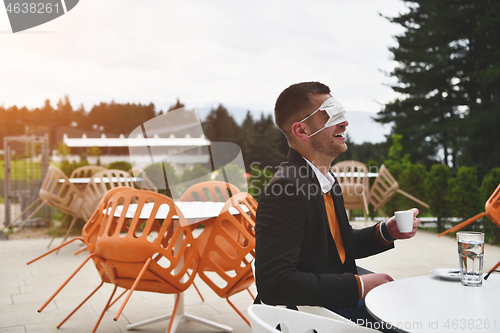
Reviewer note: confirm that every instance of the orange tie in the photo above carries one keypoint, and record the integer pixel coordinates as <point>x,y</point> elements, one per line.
<point>334,225</point>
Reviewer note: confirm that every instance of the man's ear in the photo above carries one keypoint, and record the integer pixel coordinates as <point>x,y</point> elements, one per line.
<point>299,131</point>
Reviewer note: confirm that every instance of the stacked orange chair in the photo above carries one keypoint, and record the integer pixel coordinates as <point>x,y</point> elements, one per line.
<point>213,191</point>
<point>85,172</point>
<point>89,237</point>
<point>58,192</point>
<point>145,253</point>
<point>100,183</point>
<point>492,211</point>
<point>230,249</point>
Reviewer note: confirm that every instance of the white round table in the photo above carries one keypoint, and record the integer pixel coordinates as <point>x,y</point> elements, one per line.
<point>431,304</point>
<point>190,210</point>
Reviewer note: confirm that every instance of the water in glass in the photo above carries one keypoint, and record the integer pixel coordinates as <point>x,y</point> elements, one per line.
<point>471,262</point>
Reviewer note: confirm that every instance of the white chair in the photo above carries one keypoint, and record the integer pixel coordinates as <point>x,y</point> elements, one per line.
<point>323,312</point>
<point>265,319</point>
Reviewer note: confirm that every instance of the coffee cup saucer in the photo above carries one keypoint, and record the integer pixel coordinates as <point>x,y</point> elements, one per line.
<point>452,274</point>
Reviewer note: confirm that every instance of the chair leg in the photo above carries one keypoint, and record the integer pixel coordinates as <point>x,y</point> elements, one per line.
<point>70,227</point>
<point>65,282</point>
<point>197,290</point>
<point>55,249</point>
<point>494,267</point>
<point>365,204</point>
<point>463,224</point>
<point>248,289</point>
<point>238,311</point>
<point>382,212</point>
<point>79,306</point>
<point>123,293</point>
<point>24,211</point>
<point>133,288</point>
<point>105,308</point>
<point>80,251</point>
<point>413,198</point>
<point>57,230</point>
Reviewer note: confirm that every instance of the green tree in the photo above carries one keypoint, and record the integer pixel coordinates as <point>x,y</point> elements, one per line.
<point>437,192</point>
<point>120,165</point>
<point>221,126</point>
<point>235,175</point>
<point>65,110</point>
<point>490,183</point>
<point>163,176</point>
<point>464,193</point>
<point>448,75</point>
<point>396,159</point>
<point>412,181</point>
<point>248,140</point>
<point>270,150</point>
<point>63,150</point>
<point>259,178</point>
<point>96,151</point>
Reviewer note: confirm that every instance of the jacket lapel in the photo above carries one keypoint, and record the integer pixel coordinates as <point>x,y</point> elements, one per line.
<point>306,171</point>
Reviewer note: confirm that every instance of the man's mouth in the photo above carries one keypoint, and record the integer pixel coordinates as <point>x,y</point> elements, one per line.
<point>339,135</point>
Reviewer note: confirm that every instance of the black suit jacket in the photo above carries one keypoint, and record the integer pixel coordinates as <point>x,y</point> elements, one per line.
<point>296,261</point>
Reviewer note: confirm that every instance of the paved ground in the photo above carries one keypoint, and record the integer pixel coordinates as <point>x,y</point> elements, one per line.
<point>23,289</point>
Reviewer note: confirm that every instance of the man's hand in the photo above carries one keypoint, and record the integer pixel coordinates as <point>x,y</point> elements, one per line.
<point>393,230</point>
<point>371,281</point>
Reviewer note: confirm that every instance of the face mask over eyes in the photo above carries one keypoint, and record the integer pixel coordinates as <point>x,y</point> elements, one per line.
<point>334,110</point>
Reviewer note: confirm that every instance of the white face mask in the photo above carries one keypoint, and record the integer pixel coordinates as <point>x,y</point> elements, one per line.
<point>335,112</point>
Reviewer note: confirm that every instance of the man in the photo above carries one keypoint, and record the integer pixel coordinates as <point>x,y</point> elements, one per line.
<point>305,246</point>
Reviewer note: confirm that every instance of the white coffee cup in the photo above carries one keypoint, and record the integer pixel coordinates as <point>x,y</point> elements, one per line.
<point>404,220</point>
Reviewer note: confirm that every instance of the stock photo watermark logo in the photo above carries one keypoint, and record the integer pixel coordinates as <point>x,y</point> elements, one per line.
<point>24,14</point>
<point>170,154</point>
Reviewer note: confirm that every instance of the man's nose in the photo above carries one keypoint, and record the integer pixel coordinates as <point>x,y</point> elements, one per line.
<point>344,124</point>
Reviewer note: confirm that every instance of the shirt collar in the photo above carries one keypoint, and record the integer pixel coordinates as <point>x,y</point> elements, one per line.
<point>326,182</point>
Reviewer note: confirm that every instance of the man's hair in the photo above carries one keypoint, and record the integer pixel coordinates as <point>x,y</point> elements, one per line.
<point>294,99</point>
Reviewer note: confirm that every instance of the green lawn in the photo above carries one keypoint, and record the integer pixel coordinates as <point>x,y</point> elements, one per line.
<point>21,170</point>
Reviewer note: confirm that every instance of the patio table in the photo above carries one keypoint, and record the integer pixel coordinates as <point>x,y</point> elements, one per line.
<point>192,210</point>
<point>86,180</point>
<point>431,304</point>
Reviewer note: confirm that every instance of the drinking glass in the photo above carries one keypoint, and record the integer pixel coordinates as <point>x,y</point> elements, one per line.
<point>470,252</point>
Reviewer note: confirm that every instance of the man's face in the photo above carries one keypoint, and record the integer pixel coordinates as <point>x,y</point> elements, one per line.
<point>331,140</point>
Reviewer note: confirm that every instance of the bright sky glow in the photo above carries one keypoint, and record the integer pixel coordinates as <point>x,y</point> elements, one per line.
<point>238,53</point>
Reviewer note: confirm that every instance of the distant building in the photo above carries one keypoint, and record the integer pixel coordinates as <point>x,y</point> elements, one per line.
<point>140,151</point>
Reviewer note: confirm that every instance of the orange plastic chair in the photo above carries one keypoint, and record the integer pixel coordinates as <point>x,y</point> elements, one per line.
<point>492,211</point>
<point>146,254</point>
<point>353,180</point>
<point>384,188</point>
<point>145,183</point>
<point>230,250</point>
<point>56,191</point>
<point>89,237</point>
<point>85,172</point>
<point>100,183</point>
<point>212,190</point>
